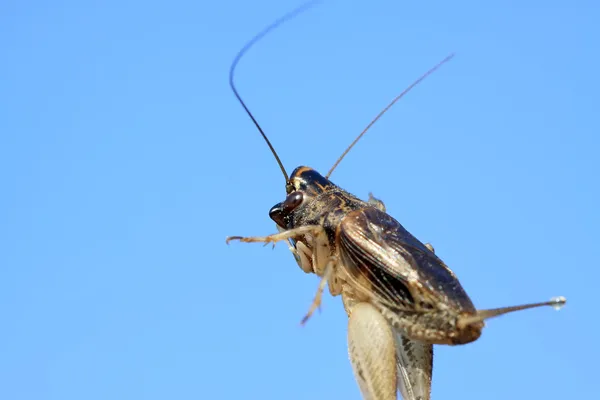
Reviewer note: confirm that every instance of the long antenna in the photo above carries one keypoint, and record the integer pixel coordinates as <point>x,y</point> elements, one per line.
<point>415,83</point>
<point>243,51</point>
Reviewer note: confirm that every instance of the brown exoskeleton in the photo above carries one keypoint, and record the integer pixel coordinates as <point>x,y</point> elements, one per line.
<point>400,297</point>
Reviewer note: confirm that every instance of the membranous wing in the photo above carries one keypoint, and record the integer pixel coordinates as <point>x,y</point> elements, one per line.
<point>414,363</point>
<point>383,258</point>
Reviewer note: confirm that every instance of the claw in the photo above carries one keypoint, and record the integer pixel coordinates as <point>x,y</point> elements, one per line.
<point>230,238</point>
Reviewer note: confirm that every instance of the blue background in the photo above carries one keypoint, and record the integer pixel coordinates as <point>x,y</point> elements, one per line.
<point>125,161</point>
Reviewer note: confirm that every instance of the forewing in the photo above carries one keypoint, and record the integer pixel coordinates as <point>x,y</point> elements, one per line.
<point>414,362</point>
<point>379,253</point>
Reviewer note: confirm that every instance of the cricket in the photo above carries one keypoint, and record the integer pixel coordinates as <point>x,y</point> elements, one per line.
<point>400,297</point>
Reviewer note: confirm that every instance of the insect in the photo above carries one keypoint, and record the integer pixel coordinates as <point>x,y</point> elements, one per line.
<point>400,297</point>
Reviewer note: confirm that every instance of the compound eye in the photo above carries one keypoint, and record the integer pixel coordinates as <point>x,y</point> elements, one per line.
<point>292,201</point>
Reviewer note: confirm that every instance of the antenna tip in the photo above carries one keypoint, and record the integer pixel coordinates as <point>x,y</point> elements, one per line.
<point>558,302</point>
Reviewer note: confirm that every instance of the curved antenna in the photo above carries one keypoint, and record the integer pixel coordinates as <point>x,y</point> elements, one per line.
<point>415,83</point>
<point>243,51</point>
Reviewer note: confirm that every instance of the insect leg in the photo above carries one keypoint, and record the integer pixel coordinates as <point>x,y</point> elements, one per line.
<point>302,254</point>
<point>372,351</point>
<point>278,237</point>
<point>304,257</point>
<point>329,269</point>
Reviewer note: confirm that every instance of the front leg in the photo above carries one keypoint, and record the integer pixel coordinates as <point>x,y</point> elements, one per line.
<point>316,258</point>
<point>278,237</point>
<point>372,350</point>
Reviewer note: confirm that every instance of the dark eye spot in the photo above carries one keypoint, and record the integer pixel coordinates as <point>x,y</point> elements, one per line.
<point>281,211</point>
<point>292,201</point>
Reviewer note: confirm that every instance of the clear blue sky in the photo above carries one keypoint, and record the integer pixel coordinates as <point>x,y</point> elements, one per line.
<point>125,161</point>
